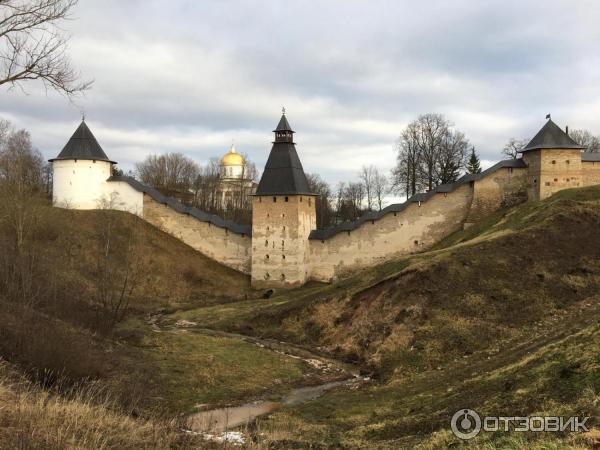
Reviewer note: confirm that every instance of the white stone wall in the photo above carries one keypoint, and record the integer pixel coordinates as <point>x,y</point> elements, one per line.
<point>123,197</point>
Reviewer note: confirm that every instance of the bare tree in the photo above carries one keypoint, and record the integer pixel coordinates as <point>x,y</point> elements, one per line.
<point>586,138</point>
<point>451,157</point>
<point>405,175</point>
<point>381,187</point>
<point>317,185</point>
<point>339,201</point>
<point>34,47</point>
<point>354,196</point>
<point>512,147</point>
<point>367,176</point>
<point>119,263</point>
<point>428,132</point>
<point>172,173</point>
<point>430,152</point>
<point>21,182</point>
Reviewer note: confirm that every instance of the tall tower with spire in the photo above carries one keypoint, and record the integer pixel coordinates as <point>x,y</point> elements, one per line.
<point>283,215</point>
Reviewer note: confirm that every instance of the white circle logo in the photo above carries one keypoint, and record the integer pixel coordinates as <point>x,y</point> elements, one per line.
<point>465,424</point>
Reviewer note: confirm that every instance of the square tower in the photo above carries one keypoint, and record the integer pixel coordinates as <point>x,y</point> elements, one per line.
<point>283,215</point>
<point>554,162</point>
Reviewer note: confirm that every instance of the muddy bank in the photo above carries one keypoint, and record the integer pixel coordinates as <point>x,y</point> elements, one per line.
<point>222,419</point>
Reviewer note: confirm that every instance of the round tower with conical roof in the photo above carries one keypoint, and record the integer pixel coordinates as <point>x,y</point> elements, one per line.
<point>283,215</point>
<point>80,172</point>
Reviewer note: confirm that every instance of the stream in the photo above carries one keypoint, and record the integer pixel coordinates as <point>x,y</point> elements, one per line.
<point>223,419</point>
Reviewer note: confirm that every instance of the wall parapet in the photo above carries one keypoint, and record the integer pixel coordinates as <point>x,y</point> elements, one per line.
<point>244,230</point>
<point>327,233</point>
<point>590,157</point>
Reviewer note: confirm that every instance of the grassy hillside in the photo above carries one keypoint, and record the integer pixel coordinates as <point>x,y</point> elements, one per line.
<point>501,316</point>
<point>80,382</point>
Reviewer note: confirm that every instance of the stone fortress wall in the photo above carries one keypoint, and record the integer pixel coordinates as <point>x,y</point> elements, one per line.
<point>398,230</point>
<point>415,225</point>
<point>283,248</point>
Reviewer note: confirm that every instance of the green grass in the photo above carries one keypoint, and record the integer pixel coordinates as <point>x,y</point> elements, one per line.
<point>195,369</point>
<point>544,375</point>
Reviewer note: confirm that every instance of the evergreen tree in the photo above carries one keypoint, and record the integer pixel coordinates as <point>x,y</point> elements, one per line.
<point>474,165</point>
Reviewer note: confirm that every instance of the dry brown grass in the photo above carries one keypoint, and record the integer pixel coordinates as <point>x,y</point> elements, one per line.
<point>32,418</point>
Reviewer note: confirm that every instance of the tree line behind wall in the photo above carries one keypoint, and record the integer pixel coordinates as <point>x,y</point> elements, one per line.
<point>193,184</point>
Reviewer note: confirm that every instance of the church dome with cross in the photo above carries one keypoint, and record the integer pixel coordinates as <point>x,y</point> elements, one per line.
<point>232,164</point>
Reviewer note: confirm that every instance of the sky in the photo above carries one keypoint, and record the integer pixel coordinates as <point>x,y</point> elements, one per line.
<point>193,76</point>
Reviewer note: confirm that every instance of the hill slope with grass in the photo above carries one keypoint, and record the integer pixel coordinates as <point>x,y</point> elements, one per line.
<point>80,353</point>
<point>502,317</point>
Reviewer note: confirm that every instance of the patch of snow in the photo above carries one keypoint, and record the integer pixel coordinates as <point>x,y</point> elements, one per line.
<point>231,437</point>
<point>185,323</point>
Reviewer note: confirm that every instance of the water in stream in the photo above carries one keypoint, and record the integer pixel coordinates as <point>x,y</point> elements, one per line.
<point>222,419</point>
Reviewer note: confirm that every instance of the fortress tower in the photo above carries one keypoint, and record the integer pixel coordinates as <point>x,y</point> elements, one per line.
<point>554,162</point>
<point>80,171</point>
<point>283,215</point>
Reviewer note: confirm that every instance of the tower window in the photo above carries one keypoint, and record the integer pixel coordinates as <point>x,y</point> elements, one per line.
<point>300,199</point>
<point>259,199</point>
<point>282,277</point>
<point>284,228</point>
<point>266,243</point>
<point>282,256</point>
<point>547,183</point>
<point>556,179</point>
<point>286,199</point>
<point>568,162</point>
<point>274,199</point>
<point>283,243</point>
<point>553,162</point>
<point>266,256</point>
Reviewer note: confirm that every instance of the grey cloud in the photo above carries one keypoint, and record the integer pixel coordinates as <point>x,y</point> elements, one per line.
<point>193,75</point>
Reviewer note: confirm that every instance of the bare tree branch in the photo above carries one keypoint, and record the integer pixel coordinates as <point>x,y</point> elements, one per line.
<point>33,47</point>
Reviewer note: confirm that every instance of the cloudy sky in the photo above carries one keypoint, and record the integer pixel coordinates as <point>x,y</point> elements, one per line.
<point>191,76</point>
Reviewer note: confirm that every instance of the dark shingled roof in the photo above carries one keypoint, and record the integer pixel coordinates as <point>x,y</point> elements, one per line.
<point>194,212</point>
<point>283,174</point>
<point>83,145</point>
<point>590,157</point>
<point>421,197</point>
<point>283,125</point>
<point>551,136</point>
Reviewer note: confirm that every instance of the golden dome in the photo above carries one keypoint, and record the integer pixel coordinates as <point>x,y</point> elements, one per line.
<point>232,158</point>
